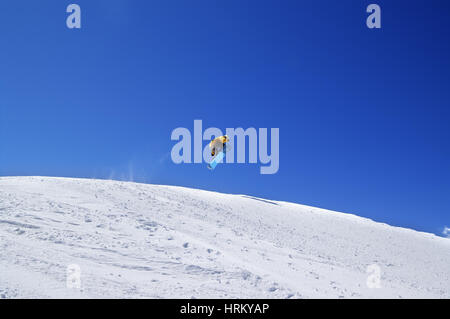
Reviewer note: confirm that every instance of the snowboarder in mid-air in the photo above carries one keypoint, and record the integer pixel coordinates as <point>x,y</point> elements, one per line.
<point>218,148</point>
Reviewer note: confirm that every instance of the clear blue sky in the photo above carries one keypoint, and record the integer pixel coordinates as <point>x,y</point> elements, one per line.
<point>363,114</point>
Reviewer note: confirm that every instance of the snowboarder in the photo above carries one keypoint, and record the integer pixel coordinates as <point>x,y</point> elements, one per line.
<point>218,148</point>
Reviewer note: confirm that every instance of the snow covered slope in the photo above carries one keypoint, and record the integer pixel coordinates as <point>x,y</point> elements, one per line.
<point>135,240</point>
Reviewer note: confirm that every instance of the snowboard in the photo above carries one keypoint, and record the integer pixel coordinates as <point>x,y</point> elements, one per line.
<point>219,157</point>
<point>216,160</point>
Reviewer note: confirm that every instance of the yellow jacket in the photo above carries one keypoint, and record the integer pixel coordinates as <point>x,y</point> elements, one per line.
<point>216,145</point>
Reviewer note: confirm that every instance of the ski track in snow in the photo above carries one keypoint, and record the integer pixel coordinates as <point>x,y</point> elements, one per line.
<point>149,241</point>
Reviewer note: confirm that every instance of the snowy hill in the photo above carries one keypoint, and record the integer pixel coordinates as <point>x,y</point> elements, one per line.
<point>135,240</point>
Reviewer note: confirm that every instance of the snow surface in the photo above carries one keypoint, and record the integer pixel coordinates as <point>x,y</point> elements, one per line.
<point>135,240</point>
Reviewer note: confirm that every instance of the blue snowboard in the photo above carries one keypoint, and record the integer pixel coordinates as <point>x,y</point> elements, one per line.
<point>216,160</point>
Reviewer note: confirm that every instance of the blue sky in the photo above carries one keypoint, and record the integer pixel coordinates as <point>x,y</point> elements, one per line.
<point>363,114</point>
